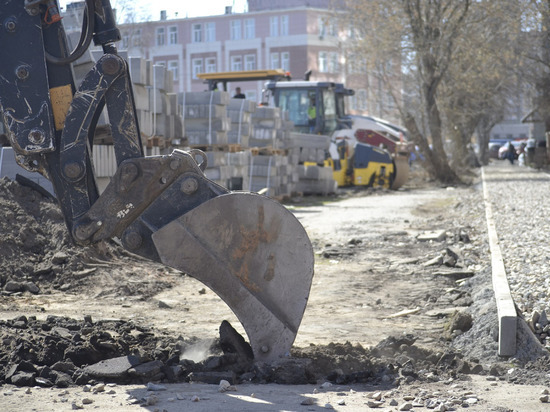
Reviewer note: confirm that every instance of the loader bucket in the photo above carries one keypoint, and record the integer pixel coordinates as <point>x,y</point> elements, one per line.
<point>253,253</point>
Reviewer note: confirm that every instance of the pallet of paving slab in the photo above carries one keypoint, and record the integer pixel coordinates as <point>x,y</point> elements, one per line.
<point>267,151</point>
<point>229,148</point>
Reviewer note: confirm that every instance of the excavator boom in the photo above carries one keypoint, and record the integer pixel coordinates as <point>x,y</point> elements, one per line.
<point>247,248</point>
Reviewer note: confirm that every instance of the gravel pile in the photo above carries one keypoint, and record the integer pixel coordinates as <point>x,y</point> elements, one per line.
<point>517,196</point>
<point>514,195</point>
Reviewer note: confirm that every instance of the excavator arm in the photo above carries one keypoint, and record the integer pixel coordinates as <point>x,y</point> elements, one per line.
<point>247,248</point>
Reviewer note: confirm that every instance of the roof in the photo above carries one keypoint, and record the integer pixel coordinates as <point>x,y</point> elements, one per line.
<point>249,75</point>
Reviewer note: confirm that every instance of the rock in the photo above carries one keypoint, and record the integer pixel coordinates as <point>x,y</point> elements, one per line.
<point>543,319</point>
<point>374,404</point>
<point>436,261</point>
<point>225,386</point>
<point>32,288</point>
<point>436,236</point>
<point>308,401</point>
<point>148,370</point>
<point>23,379</point>
<point>459,321</point>
<point>164,305</point>
<point>59,258</point>
<point>407,406</point>
<point>212,378</point>
<point>232,342</point>
<point>13,286</point>
<point>544,398</point>
<point>154,387</point>
<point>112,369</point>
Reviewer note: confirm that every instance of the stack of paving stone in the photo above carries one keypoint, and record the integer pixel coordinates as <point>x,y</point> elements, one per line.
<point>266,122</point>
<point>205,117</point>
<point>240,112</point>
<point>228,169</point>
<point>269,174</point>
<point>308,152</point>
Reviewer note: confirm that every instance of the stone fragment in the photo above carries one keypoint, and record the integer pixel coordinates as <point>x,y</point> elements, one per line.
<point>407,406</point>
<point>13,286</point>
<point>147,370</point>
<point>60,258</point>
<point>114,368</point>
<point>155,387</point>
<point>435,236</point>
<point>544,398</point>
<point>374,404</point>
<point>308,401</point>
<point>32,288</point>
<point>225,386</point>
<point>23,379</point>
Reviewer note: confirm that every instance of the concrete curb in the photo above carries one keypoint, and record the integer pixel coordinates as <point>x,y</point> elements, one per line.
<point>507,316</point>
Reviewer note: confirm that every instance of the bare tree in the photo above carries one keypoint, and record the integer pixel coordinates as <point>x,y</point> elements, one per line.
<point>422,35</point>
<point>478,88</point>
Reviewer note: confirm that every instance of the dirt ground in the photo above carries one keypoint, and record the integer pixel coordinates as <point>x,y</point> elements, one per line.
<point>377,319</point>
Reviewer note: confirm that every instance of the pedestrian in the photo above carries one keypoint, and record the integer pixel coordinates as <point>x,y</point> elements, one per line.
<point>239,94</point>
<point>511,155</point>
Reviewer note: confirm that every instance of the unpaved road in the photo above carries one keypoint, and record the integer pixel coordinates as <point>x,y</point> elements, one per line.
<point>369,268</point>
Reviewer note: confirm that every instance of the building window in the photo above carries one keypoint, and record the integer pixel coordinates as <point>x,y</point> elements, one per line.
<point>322,27</point>
<point>250,62</point>
<point>323,62</point>
<point>125,38</point>
<point>136,40</point>
<point>235,29</point>
<point>210,32</point>
<point>361,99</point>
<point>173,66</point>
<point>197,67</point>
<point>196,35</point>
<point>274,60</point>
<point>285,61</point>
<point>274,26</point>
<point>333,66</point>
<point>210,65</point>
<point>249,29</point>
<point>236,63</point>
<point>172,35</point>
<point>284,25</point>
<point>160,36</point>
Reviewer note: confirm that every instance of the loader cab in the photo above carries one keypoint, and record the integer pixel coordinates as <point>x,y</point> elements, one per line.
<point>313,107</point>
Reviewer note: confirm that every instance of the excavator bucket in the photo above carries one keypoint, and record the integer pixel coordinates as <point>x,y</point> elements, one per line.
<point>254,254</point>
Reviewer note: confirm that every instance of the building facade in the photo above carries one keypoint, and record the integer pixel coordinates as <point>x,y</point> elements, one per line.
<point>296,36</point>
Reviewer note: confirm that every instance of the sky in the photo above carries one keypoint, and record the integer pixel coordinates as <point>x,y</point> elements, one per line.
<point>183,8</point>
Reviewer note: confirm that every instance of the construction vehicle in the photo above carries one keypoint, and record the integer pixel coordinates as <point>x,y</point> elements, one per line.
<point>364,151</point>
<point>247,248</point>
